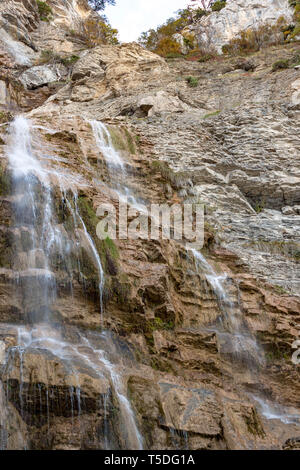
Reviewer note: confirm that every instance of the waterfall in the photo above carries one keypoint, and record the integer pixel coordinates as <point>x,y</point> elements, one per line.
<point>115,165</point>
<point>16,49</point>
<point>34,270</point>
<point>33,216</point>
<point>104,142</point>
<point>96,257</point>
<point>235,339</point>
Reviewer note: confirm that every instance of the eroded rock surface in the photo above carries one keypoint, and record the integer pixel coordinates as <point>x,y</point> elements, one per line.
<point>231,142</point>
<point>239,15</point>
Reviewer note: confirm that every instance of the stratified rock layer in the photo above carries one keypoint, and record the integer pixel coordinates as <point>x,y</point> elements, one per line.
<point>232,143</point>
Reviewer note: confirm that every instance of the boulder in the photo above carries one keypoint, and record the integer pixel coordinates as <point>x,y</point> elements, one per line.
<point>161,102</point>
<point>41,75</point>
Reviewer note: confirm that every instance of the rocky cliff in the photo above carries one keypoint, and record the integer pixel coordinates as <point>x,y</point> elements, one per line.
<point>145,343</point>
<point>221,27</point>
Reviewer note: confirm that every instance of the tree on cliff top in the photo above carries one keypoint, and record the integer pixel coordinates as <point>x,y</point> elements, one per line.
<point>99,5</point>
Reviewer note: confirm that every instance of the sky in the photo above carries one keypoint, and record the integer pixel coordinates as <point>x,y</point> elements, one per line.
<point>132,17</point>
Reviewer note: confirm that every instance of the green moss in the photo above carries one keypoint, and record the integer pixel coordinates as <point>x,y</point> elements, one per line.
<point>192,81</point>
<point>107,249</point>
<point>5,182</point>
<point>130,142</point>
<point>117,139</point>
<point>218,5</point>
<point>280,65</point>
<point>209,115</point>
<point>45,11</point>
<point>67,61</point>
<point>111,247</point>
<point>159,324</point>
<point>88,214</point>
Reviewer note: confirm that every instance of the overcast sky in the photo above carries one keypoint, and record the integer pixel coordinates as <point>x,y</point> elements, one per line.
<point>132,17</point>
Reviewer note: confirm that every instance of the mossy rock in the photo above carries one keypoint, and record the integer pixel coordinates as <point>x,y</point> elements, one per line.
<point>6,249</point>
<point>5,117</point>
<point>5,182</point>
<point>119,290</point>
<point>107,249</point>
<point>122,140</point>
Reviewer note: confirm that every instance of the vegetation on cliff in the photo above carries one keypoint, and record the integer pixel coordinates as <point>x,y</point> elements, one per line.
<point>98,5</point>
<point>160,40</point>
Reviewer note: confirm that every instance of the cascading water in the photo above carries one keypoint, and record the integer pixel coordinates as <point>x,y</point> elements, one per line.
<point>39,243</point>
<point>33,217</point>
<point>238,345</point>
<point>234,336</point>
<point>95,254</point>
<point>16,49</point>
<point>104,142</point>
<point>115,164</point>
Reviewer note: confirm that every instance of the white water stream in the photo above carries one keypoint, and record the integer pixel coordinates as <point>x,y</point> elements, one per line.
<point>21,53</point>
<point>32,181</point>
<point>239,342</point>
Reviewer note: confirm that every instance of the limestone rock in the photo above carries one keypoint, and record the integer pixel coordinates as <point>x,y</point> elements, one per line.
<point>116,69</point>
<point>230,143</point>
<point>179,38</point>
<point>219,28</point>
<point>160,102</point>
<point>41,75</point>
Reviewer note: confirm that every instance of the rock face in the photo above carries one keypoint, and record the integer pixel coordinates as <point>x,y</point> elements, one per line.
<point>123,344</point>
<point>219,28</point>
<point>42,75</point>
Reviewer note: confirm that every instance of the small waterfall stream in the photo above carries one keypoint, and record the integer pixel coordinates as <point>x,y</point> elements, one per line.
<point>33,184</point>
<point>234,335</point>
<point>237,344</point>
<point>16,49</point>
<point>115,165</point>
<point>95,254</point>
